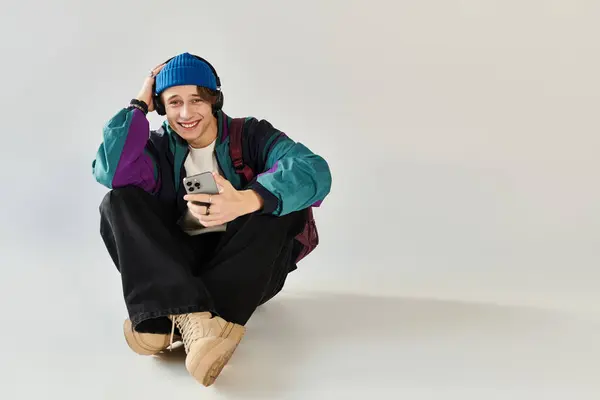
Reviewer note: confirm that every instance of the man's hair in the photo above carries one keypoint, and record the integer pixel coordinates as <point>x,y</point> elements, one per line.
<point>207,94</point>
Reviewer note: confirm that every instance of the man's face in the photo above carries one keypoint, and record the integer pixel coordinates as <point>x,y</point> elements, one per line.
<point>189,115</point>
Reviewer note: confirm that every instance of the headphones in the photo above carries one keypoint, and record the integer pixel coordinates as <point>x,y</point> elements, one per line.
<point>160,107</point>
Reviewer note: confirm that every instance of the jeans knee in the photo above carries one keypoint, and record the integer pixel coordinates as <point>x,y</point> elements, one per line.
<point>290,223</point>
<point>119,196</point>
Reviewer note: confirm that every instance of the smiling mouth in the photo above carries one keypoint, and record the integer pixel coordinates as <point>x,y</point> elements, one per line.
<point>189,125</point>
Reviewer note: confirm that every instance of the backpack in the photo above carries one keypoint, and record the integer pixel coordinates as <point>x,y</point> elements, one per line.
<point>305,241</point>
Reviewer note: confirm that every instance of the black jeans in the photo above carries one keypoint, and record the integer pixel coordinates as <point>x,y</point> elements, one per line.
<point>164,271</point>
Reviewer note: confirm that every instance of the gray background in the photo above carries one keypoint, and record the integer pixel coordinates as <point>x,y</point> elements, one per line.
<point>460,242</point>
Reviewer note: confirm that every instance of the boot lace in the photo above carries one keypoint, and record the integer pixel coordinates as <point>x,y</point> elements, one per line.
<point>191,329</point>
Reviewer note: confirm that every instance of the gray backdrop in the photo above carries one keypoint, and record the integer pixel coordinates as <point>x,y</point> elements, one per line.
<point>462,137</point>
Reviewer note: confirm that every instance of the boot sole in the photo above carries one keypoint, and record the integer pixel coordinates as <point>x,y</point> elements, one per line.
<point>215,360</point>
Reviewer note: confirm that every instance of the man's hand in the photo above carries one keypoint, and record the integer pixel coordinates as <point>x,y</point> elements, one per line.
<point>145,93</point>
<point>225,206</point>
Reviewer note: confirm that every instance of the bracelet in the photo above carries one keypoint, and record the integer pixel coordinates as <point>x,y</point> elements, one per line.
<point>140,105</point>
<point>132,106</point>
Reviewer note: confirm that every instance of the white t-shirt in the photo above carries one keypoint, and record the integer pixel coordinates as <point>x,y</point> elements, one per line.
<point>197,162</point>
<point>201,160</point>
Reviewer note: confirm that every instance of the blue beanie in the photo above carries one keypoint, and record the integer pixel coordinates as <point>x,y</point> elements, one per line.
<point>185,69</point>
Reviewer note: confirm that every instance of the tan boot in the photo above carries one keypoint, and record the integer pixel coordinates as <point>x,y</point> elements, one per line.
<point>209,343</point>
<point>146,344</point>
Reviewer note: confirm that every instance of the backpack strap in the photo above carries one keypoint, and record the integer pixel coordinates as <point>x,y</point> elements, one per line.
<point>235,149</point>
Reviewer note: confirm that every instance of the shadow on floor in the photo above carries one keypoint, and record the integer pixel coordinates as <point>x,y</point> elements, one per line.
<point>329,341</point>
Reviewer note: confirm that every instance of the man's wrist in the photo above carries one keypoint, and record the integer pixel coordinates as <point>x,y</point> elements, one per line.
<point>253,201</point>
<point>139,104</point>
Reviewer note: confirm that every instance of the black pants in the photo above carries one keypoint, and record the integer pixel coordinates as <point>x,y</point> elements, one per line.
<point>164,271</point>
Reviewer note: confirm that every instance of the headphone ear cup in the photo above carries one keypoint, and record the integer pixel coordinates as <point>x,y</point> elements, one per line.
<point>158,105</point>
<point>219,103</point>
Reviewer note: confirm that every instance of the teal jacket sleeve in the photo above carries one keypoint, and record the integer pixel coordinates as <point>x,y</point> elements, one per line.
<point>293,177</point>
<point>123,157</point>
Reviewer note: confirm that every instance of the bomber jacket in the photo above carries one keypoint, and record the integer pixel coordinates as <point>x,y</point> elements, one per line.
<point>289,176</point>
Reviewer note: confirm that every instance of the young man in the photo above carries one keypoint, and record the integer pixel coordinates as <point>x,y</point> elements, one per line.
<point>195,267</point>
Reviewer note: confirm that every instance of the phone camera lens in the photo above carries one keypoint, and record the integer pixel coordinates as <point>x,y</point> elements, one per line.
<point>197,184</point>
<point>189,183</point>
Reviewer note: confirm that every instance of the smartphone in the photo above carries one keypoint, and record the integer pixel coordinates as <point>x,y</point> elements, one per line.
<point>201,183</point>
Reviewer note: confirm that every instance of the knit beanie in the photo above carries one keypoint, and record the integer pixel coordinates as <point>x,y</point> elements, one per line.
<point>185,69</point>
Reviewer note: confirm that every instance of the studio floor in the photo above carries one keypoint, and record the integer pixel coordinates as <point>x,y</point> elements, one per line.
<point>311,345</point>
